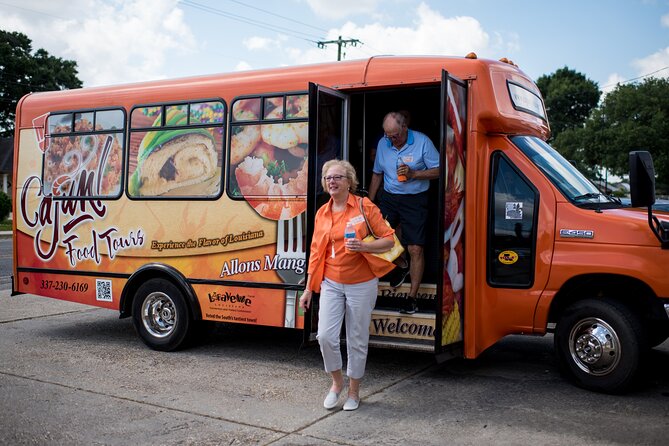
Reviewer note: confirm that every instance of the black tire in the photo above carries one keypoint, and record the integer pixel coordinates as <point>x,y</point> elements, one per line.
<point>599,345</point>
<point>160,315</point>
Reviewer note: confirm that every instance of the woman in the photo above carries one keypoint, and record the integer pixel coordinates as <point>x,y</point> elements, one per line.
<point>346,275</point>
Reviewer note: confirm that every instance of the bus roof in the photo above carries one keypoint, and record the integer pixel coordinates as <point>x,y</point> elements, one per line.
<point>374,72</point>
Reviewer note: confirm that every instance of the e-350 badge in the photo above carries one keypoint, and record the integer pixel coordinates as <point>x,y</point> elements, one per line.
<point>577,233</point>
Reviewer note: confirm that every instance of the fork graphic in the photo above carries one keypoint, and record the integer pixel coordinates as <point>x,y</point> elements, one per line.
<point>290,247</point>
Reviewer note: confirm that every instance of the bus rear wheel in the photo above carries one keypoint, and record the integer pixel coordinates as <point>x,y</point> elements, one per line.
<point>599,345</point>
<point>160,315</point>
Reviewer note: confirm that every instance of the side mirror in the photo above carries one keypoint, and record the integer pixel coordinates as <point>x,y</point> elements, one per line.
<point>642,192</point>
<point>642,179</point>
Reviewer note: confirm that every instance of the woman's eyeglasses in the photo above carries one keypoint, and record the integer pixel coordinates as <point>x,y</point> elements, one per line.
<point>334,178</point>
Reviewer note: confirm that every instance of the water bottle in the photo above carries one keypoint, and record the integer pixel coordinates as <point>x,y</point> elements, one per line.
<point>349,232</point>
<point>400,177</point>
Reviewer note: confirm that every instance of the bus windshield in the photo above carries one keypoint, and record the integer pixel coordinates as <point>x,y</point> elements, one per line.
<point>572,183</point>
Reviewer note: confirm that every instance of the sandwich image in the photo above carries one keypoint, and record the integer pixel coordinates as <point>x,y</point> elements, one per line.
<point>171,159</point>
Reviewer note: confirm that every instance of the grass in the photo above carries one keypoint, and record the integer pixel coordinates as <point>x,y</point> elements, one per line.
<point>6,225</point>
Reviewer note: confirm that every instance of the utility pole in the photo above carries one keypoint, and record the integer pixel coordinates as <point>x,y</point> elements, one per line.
<point>340,42</point>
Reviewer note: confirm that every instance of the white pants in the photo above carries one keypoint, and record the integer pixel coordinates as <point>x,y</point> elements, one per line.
<point>356,302</point>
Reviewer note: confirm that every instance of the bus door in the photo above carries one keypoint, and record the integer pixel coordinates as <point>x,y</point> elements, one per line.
<point>328,139</point>
<point>450,293</point>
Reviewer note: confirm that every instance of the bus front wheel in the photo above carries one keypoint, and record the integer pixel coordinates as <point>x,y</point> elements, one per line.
<point>160,315</point>
<point>599,345</point>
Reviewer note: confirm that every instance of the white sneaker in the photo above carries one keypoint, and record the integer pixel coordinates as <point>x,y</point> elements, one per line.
<point>351,404</point>
<point>331,399</point>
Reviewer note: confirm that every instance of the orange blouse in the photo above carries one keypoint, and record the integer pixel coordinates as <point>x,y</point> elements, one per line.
<point>329,257</point>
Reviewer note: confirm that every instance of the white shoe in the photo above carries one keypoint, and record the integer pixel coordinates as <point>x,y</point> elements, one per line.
<point>351,404</point>
<point>331,399</point>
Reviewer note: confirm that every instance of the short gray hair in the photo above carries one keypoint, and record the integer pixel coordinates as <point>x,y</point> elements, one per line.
<point>348,167</point>
<point>400,118</point>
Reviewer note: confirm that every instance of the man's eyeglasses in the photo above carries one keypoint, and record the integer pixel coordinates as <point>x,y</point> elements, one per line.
<point>334,178</point>
<point>393,136</point>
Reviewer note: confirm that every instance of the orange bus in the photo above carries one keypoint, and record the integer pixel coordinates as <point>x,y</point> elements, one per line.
<point>189,200</point>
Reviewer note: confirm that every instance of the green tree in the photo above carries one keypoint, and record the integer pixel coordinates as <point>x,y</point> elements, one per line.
<point>572,144</point>
<point>569,98</point>
<point>23,72</point>
<point>631,117</point>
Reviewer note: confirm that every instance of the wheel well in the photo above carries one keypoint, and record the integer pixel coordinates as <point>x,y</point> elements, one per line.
<point>629,291</point>
<point>152,271</point>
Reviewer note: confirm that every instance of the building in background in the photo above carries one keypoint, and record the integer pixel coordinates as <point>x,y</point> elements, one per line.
<point>6,164</point>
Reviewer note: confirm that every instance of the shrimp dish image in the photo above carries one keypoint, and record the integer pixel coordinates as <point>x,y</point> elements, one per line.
<point>243,141</point>
<point>269,160</point>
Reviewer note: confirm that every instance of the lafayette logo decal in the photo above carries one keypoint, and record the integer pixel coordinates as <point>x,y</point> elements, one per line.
<point>228,297</point>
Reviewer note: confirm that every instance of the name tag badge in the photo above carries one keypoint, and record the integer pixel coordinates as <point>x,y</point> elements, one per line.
<point>407,159</point>
<point>356,220</point>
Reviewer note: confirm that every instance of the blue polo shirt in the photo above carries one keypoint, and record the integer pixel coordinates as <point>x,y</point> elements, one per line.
<point>418,153</point>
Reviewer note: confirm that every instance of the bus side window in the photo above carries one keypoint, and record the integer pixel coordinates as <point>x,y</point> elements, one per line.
<point>267,160</point>
<point>84,154</point>
<point>176,150</point>
<point>511,226</point>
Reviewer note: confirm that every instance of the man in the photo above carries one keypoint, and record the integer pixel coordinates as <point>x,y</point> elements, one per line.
<point>406,161</point>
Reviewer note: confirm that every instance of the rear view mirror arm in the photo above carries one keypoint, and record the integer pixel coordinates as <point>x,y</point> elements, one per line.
<point>660,230</point>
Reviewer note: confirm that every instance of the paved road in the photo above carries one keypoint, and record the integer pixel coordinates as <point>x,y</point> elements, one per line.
<point>72,374</point>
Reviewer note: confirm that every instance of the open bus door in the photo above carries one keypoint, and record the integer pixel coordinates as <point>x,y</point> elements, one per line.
<point>449,327</point>
<point>328,139</point>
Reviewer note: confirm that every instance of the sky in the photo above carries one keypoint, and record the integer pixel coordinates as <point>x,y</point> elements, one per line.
<point>121,41</point>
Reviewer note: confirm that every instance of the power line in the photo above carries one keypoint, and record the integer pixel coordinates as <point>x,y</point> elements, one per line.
<point>33,11</point>
<point>290,19</point>
<point>249,21</point>
<point>265,25</point>
<point>280,16</point>
<point>634,78</point>
<point>218,12</point>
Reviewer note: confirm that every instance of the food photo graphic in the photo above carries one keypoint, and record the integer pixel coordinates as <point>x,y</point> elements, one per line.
<point>268,161</point>
<point>183,162</point>
<point>69,155</point>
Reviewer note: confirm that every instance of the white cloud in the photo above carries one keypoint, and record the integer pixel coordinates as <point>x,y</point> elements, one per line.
<point>131,40</point>
<point>656,63</point>
<point>665,20</point>
<point>112,42</point>
<point>611,82</point>
<point>342,8</point>
<point>258,43</point>
<point>243,66</point>
<point>431,34</point>
<point>507,44</point>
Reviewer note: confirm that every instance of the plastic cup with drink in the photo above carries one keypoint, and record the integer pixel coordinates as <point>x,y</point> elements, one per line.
<point>349,233</point>
<point>402,177</point>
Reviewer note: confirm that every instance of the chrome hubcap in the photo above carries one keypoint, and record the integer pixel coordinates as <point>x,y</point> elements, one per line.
<point>594,346</point>
<point>159,314</point>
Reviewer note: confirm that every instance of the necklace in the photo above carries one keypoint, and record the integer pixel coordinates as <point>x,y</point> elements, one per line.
<point>336,218</point>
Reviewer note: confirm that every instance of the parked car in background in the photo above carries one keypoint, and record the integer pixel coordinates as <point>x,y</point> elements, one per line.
<point>660,204</point>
